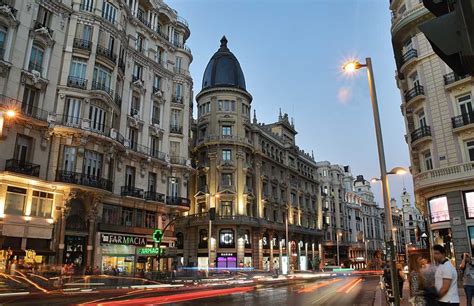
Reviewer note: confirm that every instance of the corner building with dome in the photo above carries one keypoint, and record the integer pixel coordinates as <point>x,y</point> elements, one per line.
<point>254,175</point>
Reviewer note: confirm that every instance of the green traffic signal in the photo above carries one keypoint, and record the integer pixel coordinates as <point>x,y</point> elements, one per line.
<point>157,235</point>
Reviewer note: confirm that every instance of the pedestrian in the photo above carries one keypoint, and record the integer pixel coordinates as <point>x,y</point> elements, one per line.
<point>96,270</point>
<point>416,281</point>
<point>467,269</point>
<point>445,278</point>
<point>401,279</point>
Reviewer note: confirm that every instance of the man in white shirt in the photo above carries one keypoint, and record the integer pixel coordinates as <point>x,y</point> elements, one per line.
<point>446,278</point>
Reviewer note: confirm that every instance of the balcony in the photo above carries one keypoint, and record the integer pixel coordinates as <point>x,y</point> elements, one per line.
<point>39,25</point>
<point>452,78</point>
<point>24,108</point>
<point>446,175</point>
<point>407,57</point>
<point>35,67</point>
<point>136,78</point>
<point>177,201</point>
<point>156,90</point>
<point>9,5</point>
<point>107,53</point>
<point>102,87</point>
<point>83,179</point>
<point>157,154</point>
<point>82,44</point>
<point>416,92</point>
<point>18,166</point>
<point>176,129</point>
<point>178,160</point>
<point>420,133</point>
<point>462,121</point>
<point>143,20</point>
<point>154,196</point>
<point>203,189</point>
<point>177,99</point>
<point>130,191</point>
<point>76,82</point>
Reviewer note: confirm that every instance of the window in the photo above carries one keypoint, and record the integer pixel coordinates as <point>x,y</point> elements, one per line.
<point>127,216</point>
<point>414,80</point>
<point>109,11</point>
<point>202,239</point>
<point>178,63</point>
<point>175,118</point>
<point>173,187</point>
<point>36,58</point>
<point>179,90</point>
<point>72,112</point>
<point>111,214</point>
<point>226,179</point>
<point>15,201</point>
<point>470,150</point>
<point>78,68</point>
<point>159,55</point>
<point>69,159</point>
<point>179,241</point>
<point>132,138</point>
<point>226,208</point>
<point>439,209</point>
<point>204,108</point>
<point>130,176</point>
<point>156,83</point>
<point>226,155</point>
<point>137,72</point>
<point>428,161</point>
<point>155,115</point>
<point>23,148</point>
<point>247,239</point>
<point>155,147</point>
<point>465,106</point>
<point>97,118</point>
<point>421,119</point>
<point>150,219</point>
<point>469,200</point>
<point>139,218</point>
<point>226,238</point>
<point>92,166</point>
<point>3,39</point>
<point>245,110</point>
<point>140,43</point>
<point>135,105</point>
<point>226,105</point>
<point>87,5</point>
<point>226,130</point>
<point>42,204</point>
<point>44,17</point>
<point>151,181</point>
<point>101,78</point>
<point>292,198</point>
<point>30,99</point>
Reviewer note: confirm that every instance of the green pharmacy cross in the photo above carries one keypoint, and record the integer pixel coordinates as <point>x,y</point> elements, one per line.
<point>157,236</point>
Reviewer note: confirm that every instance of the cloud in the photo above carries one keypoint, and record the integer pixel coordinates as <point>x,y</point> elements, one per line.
<point>344,95</point>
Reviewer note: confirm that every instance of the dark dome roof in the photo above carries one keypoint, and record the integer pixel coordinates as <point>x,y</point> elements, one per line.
<point>223,70</point>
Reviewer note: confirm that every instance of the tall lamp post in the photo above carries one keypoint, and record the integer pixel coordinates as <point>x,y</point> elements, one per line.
<point>349,67</point>
<point>366,254</point>
<point>337,243</point>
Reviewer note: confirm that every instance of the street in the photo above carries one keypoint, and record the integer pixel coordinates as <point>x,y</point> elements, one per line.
<point>340,290</point>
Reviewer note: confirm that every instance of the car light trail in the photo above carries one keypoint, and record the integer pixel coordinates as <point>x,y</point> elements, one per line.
<point>349,285</point>
<point>319,285</point>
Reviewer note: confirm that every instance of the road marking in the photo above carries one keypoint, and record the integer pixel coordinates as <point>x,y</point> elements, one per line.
<point>14,293</point>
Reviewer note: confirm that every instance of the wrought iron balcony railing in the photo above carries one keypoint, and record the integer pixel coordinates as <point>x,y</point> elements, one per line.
<point>84,179</point>
<point>23,167</point>
<point>82,44</point>
<point>131,191</point>
<point>410,54</point>
<point>462,120</point>
<point>452,77</point>
<point>177,201</point>
<point>154,196</point>
<point>76,82</point>
<point>102,87</point>
<point>414,92</point>
<point>421,132</point>
<point>107,53</point>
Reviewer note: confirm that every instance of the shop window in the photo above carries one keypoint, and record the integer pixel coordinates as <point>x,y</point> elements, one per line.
<point>226,238</point>
<point>111,214</point>
<point>202,239</point>
<point>470,150</point>
<point>247,239</point>
<point>469,200</point>
<point>179,241</point>
<point>15,201</point>
<point>226,208</point>
<point>42,204</point>
<point>439,209</point>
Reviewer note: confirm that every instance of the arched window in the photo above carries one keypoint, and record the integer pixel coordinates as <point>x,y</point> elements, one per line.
<point>179,241</point>
<point>226,238</point>
<point>202,239</point>
<point>3,41</point>
<point>36,58</point>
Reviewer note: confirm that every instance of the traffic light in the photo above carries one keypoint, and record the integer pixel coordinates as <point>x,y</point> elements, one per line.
<point>157,236</point>
<point>451,33</point>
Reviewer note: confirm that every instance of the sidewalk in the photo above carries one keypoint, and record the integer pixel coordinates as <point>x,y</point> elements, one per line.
<point>380,296</point>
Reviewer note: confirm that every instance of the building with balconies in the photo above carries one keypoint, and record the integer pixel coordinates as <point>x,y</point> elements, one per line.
<point>97,156</point>
<point>253,175</point>
<point>438,112</point>
<point>413,223</point>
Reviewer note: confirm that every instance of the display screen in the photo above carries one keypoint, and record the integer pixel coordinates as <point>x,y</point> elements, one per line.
<point>469,198</point>
<point>439,209</point>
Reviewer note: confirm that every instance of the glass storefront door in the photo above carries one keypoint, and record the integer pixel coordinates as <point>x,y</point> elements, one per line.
<point>123,265</point>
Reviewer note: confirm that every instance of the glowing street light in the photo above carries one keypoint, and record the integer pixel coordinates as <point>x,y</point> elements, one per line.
<point>10,114</point>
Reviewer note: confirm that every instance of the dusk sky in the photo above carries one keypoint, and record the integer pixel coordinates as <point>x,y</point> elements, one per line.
<point>291,53</point>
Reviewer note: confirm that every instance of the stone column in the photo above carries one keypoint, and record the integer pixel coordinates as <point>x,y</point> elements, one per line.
<point>92,216</point>
<point>270,237</point>
<point>257,249</point>
<point>62,226</point>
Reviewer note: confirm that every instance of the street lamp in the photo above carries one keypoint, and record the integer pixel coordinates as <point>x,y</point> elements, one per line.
<point>396,171</point>
<point>337,243</point>
<point>366,254</point>
<point>9,114</point>
<point>351,67</point>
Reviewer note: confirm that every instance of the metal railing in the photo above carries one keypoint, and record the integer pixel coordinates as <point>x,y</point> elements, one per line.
<point>84,179</point>
<point>76,82</point>
<point>452,77</point>
<point>143,20</point>
<point>414,92</point>
<point>177,201</point>
<point>39,25</point>
<point>107,53</point>
<point>18,166</point>
<point>134,111</point>
<point>130,191</point>
<point>155,120</point>
<point>24,108</point>
<point>35,66</point>
<point>157,154</point>
<point>86,125</point>
<point>421,132</point>
<point>176,129</point>
<point>102,87</point>
<point>9,4</point>
<point>82,44</point>
<point>177,99</point>
<point>136,78</point>
<point>178,160</point>
<point>154,196</point>
<point>410,54</point>
<point>462,120</point>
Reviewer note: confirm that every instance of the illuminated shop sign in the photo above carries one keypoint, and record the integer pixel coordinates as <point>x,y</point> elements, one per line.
<point>122,239</point>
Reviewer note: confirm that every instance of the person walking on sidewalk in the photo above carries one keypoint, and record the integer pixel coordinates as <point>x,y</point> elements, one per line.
<point>416,281</point>
<point>445,278</point>
<point>467,269</point>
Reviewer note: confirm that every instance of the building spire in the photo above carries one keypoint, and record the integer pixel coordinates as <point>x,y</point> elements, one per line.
<point>224,42</point>
<point>254,116</point>
<point>279,116</point>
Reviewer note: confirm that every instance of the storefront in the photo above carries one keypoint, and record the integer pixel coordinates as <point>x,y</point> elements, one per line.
<point>118,253</point>
<point>227,260</point>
